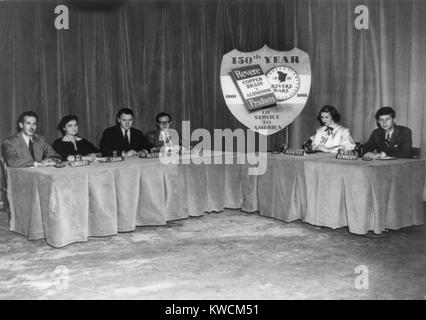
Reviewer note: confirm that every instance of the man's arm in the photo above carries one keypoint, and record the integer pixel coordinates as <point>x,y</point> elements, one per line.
<point>106,144</point>
<point>49,152</point>
<point>370,145</point>
<point>404,149</point>
<point>144,144</point>
<point>10,156</point>
<point>150,137</point>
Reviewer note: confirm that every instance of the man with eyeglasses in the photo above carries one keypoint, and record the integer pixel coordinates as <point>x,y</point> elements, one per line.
<point>122,138</point>
<point>162,136</point>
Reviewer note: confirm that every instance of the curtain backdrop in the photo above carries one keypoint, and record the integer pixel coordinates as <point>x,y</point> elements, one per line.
<point>165,56</point>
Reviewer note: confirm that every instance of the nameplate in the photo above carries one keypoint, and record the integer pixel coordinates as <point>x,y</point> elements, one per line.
<point>295,152</point>
<point>347,156</point>
<point>115,159</point>
<point>81,163</point>
<point>153,155</point>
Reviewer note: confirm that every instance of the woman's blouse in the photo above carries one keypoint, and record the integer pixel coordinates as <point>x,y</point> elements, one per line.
<point>333,137</point>
<point>67,148</point>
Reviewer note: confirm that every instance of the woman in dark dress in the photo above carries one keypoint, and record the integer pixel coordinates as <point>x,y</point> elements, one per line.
<point>71,144</point>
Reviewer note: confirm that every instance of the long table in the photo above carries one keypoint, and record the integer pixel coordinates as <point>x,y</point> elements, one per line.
<point>69,205</point>
<point>362,195</point>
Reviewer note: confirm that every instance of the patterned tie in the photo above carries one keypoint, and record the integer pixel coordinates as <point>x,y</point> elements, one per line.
<point>387,140</point>
<point>31,148</point>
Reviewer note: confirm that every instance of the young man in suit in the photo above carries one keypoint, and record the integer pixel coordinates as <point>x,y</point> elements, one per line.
<point>123,138</point>
<point>26,148</point>
<point>389,140</point>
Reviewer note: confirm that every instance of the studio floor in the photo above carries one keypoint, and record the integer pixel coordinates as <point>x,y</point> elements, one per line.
<point>226,255</point>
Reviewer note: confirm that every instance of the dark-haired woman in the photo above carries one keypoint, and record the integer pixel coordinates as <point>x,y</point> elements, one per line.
<point>331,136</point>
<point>71,144</point>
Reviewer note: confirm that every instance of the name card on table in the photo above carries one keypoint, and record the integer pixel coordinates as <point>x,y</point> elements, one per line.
<point>150,155</point>
<point>80,163</point>
<point>347,156</point>
<point>115,159</point>
<point>295,152</point>
<point>111,159</point>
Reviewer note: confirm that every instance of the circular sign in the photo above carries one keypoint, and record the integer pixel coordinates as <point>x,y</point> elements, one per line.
<point>284,81</point>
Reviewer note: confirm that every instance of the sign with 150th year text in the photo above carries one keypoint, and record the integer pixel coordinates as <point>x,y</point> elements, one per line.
<point>266,89</point>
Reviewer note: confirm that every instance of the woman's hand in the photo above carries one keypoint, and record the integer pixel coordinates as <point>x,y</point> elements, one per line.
<point>71,158</point>
<point>89,157</point>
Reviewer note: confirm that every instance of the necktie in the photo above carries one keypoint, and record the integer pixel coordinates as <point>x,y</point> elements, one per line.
<point>126,138</point>
<point>31,148</point>
<point>167,139</point>
<point>387,140</point>
<point>329,130</point>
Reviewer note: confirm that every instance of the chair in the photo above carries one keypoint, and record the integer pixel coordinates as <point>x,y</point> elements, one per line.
<point>3,186</point>
<point>416,153</point>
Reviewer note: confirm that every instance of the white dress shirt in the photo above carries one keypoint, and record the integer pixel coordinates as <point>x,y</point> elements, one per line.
<point>27,139</point>
<point>128,132</point>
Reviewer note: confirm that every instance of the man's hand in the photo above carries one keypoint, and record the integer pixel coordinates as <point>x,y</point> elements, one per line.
<point>373,155</point>
<point>131,153</point>
<point>90,157</point>
<point>47,162</point>
<point>143,153</point>
<point>382,155</point>
<point>153,150</point>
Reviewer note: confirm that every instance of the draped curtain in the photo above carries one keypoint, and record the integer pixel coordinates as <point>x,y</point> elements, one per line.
<point>165,56</point>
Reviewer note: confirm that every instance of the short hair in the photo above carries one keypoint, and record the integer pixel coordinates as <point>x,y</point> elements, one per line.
<point>385,111</point>
<point>22,116</point>
<point>125,111</point>
<point>163,114</point>
<point>64,122</point>
<point>332,111</point>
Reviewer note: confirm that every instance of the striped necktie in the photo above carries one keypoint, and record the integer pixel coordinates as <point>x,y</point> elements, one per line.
<point>387,140</point>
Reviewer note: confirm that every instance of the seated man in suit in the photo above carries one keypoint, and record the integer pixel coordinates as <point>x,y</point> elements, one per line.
<point>123,138</point>
<point>389,140</point>
<point>26,148</point>
<point>161,136</point>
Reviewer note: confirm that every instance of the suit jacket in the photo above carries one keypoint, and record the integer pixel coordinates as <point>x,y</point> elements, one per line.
<point>154,138</point>
<point>16,153</point>
<point>113,139</point>
<point>400,143</point>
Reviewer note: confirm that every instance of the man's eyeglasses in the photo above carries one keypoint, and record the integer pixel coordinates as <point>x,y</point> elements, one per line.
<point>163,122</point>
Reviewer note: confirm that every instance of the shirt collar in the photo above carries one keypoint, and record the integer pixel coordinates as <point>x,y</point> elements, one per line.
<point>27,139</point>
<point>334,126</point>
<point>123,130</point>
<point>390,133</point>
